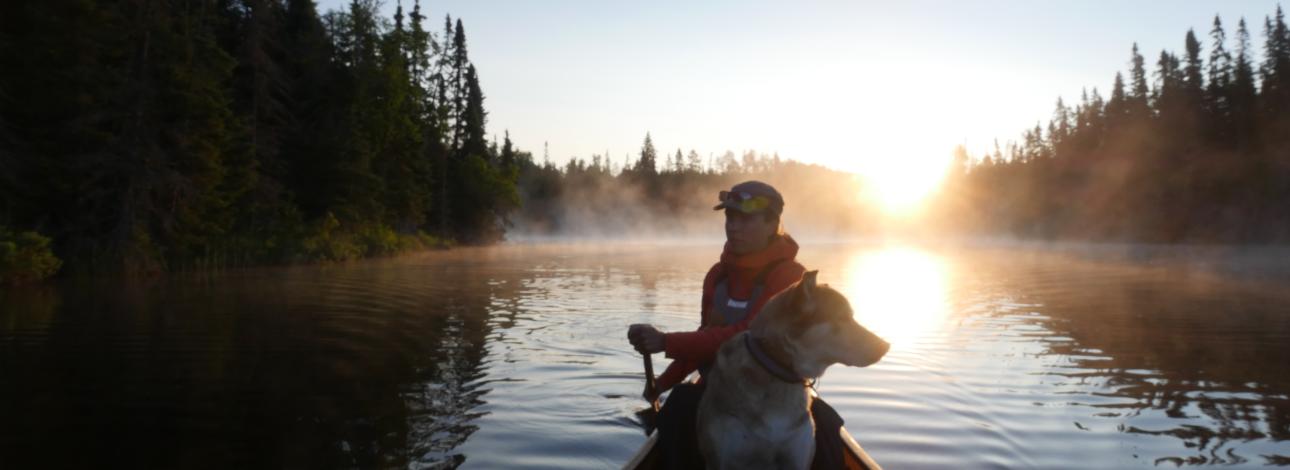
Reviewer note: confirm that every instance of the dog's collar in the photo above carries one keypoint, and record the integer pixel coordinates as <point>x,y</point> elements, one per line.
<point>769,364</point>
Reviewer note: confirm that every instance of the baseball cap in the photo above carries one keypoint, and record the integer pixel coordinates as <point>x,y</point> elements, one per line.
<point>751,197</point>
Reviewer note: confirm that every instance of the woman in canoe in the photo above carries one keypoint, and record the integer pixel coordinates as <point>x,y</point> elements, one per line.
<point>758,261</point>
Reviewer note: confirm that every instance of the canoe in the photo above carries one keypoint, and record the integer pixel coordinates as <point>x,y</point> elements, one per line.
<point>854,458</point>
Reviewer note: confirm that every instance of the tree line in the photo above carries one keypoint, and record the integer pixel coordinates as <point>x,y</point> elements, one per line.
<point>1197,150</point>
<point>155,135</point>
<point>660,194</point>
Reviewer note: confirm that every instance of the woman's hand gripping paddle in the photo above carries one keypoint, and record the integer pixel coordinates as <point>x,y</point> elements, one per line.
<point>651,388</point>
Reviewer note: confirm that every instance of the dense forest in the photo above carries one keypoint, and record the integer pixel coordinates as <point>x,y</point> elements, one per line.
<point>159,135</point>
<point>1198,152</point>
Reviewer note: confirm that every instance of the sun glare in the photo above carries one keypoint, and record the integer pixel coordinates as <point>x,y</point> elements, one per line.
<point>900,185</point>
<point>898,293</point>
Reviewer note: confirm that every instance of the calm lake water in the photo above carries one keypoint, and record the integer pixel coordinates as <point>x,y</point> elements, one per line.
<point>516,357</point>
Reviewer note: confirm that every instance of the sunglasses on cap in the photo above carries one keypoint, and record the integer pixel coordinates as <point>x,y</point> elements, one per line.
<point>743,201</point>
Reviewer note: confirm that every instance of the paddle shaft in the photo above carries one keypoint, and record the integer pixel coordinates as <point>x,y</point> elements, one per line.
<point>650,386</point>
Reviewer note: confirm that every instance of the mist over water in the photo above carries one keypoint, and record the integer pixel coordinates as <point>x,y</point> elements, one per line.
<point>516,356</point>
<point>593,204</point>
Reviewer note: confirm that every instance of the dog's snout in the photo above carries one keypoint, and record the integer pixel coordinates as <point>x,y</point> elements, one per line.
<point>869,350</point>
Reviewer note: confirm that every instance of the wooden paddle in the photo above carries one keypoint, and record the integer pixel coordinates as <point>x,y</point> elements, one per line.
<point>647,415</point>
<point>650,387</point>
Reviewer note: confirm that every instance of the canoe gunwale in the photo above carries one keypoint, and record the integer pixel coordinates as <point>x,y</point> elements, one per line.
<point>644,457</point>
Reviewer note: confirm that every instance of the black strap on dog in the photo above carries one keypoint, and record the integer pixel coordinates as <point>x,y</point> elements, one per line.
<point>779,371</point>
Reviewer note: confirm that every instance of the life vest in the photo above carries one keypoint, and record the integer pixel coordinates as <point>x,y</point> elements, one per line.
<point>727,310</point>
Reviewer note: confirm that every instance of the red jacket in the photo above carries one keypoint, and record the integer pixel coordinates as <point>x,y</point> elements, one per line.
<point>691,349</point>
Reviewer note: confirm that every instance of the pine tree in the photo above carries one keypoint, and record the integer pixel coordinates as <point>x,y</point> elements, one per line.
<point>1218,88</point>
<point>1193,81</point>
<point>1117,108</point>
<point>460,63</point>
<point>357,41</point>
<point>648,156</point>
<point>1242,92</point>
<point>260,83</point>
<point>474,117</point>
<point>1137,100</point>
<point>399,136</point>
<point>508,162</point>
<point>1061,124</point>
<point>419,48</point>
<point>1275,72</point>
<point>311,149</point>
<point>1170,82</point>
<point>445,119</point>
<point>694,163</point>
<point>185,172</point>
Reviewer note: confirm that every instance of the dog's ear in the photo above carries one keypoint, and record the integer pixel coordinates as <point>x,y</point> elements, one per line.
<point>806,292</point>
<point>808,279</point>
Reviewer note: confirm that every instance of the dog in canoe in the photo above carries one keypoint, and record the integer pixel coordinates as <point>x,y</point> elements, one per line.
<point>755,412</point>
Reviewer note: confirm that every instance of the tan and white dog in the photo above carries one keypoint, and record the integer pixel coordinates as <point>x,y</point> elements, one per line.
<point>755,412</point>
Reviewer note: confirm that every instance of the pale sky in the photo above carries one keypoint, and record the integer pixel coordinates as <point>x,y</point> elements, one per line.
<point>848,84</point>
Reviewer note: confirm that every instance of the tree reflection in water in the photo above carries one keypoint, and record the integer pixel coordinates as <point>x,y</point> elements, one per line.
<point>1167,353</point>
<point>302,367</point>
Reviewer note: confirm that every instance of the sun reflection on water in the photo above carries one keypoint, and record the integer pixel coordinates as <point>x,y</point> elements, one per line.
<point>899,293</point>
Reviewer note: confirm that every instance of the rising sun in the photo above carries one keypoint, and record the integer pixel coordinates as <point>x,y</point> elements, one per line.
<point>901,185</point>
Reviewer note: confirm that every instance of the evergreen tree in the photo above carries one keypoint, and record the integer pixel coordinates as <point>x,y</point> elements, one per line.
<point>264,87</point>
<point>1059,128</point>
<point>183,172</point>
<point>1170,83</point>
<point>1218,87</point>
<point>1136,102</point>
<point>1193,80</point>
<point>1117,108</point>
<point>419,48</point>
<point>311,151</point>
<point>694,163</point>
<point>474,117</point>
<point>460,62</point>
<point>1242,91</point>
<point>357,38</point>
<point>445,122</point>
<point>1275,71</point>
<point>508,161</point>
<point>399,137</point>
<point>648,156</point>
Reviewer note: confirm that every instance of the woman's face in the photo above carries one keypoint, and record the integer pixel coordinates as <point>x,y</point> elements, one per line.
<point>748,233</point>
